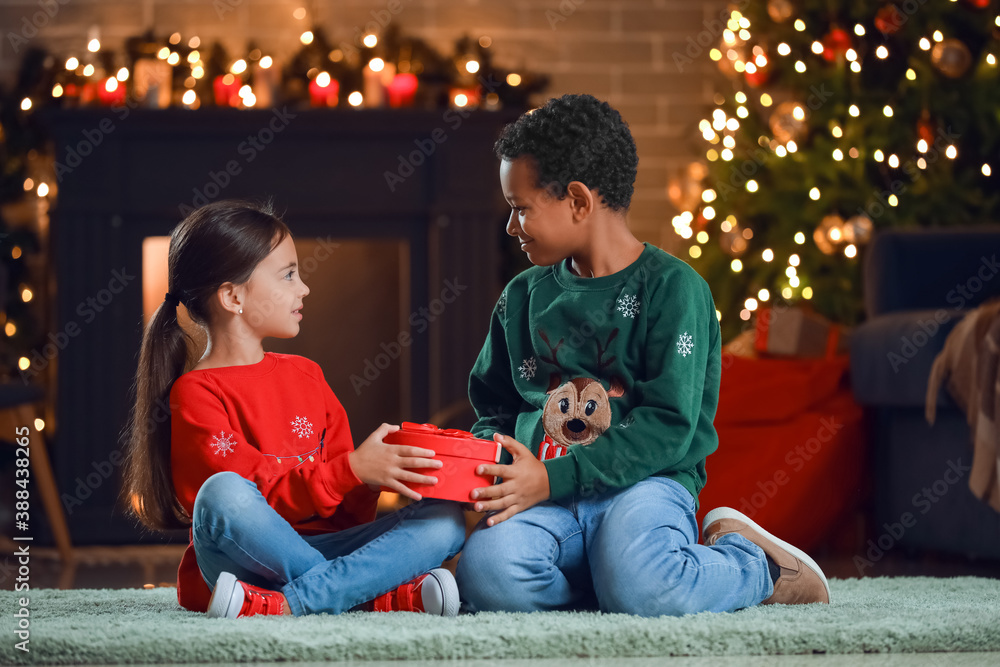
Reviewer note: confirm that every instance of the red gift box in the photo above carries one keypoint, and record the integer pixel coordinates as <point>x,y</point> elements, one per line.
<point>459,451</point>
<point>798,332</point>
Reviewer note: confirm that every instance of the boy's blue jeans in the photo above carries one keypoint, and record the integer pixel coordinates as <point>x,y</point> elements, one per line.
<point>236,531</point>
<point>632,551</point>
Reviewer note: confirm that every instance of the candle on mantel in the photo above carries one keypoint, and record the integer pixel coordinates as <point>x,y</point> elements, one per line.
<point>112,93</point>
<point>227,90</point>
<point>71,92</point>
<point>89,92</point>
<point>378,75</point>
<point>465,97</point>
<point>324,90</point>
<point>402,90</point>
<point>266,82</point>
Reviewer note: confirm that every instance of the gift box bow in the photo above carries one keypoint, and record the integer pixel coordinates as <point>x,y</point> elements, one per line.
<point>431,429</point>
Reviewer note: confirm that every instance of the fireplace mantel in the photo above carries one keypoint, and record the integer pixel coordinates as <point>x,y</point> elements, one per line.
<point>427,179</point>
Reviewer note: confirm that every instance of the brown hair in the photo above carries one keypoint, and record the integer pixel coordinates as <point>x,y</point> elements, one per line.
<point>218,243</point>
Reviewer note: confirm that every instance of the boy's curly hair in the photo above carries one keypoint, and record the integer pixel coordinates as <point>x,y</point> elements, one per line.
<point>576,138</point>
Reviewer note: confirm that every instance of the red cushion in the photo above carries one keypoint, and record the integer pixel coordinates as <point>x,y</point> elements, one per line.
<point>765,390</point>
<point>792,448</point>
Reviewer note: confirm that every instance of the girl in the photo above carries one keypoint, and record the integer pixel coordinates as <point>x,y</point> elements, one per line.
<point>257,457</point>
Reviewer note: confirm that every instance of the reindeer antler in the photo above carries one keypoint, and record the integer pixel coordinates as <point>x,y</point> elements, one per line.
<point>554,360</point>
<point>601,349</point>
<point>555,379</point>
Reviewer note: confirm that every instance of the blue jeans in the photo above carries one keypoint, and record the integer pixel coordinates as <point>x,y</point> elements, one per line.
<point>236,531</point>
<point>632,551</point>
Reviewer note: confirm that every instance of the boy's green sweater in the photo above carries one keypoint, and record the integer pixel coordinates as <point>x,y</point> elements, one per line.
<point>648,335</point>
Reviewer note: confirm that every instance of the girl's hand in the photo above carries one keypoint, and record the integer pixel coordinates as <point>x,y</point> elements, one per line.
<point>376,463</point>
<point>525,483</point>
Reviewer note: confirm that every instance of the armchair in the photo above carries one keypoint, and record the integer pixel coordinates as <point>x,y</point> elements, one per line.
<point>917,285</point>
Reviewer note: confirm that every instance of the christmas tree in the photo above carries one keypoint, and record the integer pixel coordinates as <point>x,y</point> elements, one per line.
<point>20,246</point>
<point>841,119</point>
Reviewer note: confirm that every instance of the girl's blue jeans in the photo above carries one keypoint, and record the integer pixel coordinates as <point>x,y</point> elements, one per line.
<point>236,531</point>
<point>632,551</point>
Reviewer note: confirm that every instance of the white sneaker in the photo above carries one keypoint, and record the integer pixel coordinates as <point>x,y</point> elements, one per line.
<point>433,593</point>
<point>232,598</point>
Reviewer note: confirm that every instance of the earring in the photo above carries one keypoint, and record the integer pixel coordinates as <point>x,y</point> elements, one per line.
<point>241,311</point>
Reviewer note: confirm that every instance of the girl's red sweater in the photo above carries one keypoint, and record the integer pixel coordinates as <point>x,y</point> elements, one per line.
<point>277,423</point>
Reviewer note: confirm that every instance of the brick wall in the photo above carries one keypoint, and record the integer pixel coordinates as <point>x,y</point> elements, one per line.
<point>622,51</point>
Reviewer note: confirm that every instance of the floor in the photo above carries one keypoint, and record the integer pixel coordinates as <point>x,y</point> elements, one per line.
<point>135,567</point>
<point>47,572</point>
<point>864,660</point>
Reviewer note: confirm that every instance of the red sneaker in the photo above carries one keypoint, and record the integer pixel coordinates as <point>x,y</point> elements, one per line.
<point>433,593</point>
<point>234,599</point>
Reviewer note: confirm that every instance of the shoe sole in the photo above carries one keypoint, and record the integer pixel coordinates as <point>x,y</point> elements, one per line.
<point>729,513</point>
<point>449,591</point>
<point>227,597</point>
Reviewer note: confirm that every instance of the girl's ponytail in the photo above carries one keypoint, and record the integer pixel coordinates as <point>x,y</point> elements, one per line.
<point>148,482</point>
<point>218,243</point>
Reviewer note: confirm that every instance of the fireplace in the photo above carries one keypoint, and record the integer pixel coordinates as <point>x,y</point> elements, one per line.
<point>398,221</point>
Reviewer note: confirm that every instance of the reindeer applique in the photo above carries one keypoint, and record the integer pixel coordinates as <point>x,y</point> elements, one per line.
<point>579,410</point>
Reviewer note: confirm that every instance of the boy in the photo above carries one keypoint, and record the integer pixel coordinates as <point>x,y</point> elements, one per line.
<point>605,359</point>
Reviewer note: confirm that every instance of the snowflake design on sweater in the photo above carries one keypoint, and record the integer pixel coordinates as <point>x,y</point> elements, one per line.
<point>502,304</point>
<point>223,443</point>
<point>302,427</point>
<point>528,368</point>
<point>628,421</point>
<point>628,304</point>
<point>684,344</point>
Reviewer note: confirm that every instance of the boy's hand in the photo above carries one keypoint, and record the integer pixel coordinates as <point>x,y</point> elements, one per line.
<point>525,483</point>
<point>378,464</point>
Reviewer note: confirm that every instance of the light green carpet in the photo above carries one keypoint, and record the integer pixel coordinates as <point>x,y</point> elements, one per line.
<point>888,615</point>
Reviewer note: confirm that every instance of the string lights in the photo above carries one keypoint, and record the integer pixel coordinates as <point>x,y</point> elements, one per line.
<point>186,73</point>
<point>748,163</point>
